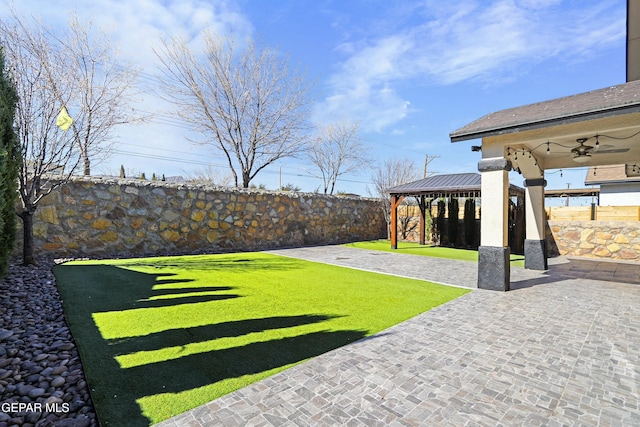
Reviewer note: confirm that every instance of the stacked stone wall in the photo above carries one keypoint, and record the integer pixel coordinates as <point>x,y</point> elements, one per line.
<point>615,240</point>
<point>119,217</point>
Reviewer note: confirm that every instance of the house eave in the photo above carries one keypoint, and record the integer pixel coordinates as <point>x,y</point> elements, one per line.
<point>556,121</point>
<point>614,181</point>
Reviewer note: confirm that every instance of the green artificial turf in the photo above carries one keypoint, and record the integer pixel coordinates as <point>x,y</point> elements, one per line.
<point>160,336</point>
<point>428,250</point>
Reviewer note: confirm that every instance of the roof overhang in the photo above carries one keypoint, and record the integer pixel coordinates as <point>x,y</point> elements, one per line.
<point>593,105</point>
<point>614,181</point>
<point>550,130</point>
<point>543,124</point>
<point>572,192</point>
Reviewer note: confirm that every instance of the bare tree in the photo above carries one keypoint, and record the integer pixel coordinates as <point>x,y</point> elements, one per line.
<point>388,174</point>
<point>48,153</point>
<point>76,72</point>
<point>336,151</point>
<point>103,89</point>
<point>208,176</point>
<point>244,101</point>
<point>103,86</point>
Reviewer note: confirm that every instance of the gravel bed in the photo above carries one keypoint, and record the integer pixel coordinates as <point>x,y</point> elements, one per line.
<point>42,382</point>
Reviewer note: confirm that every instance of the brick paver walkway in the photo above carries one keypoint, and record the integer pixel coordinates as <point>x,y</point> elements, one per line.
<point>563,348</point>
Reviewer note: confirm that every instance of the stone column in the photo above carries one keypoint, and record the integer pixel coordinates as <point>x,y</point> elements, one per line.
<point>493,254</point>
<point>535,245</point>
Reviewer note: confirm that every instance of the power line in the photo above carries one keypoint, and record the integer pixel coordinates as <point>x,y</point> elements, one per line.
<point>163,149</point>
<point>159,157</point>
<point>204,163</point>
<point>428,159</point>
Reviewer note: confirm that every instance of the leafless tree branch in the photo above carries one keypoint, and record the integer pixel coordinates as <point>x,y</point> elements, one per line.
<point>76,71</point>
<point>336,151</point>
<point>244,101</point>
<point>48,153</point>
<point>388,174</point>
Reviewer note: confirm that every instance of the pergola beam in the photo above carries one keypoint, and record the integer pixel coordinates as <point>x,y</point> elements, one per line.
<point>422,203</point>
<point>395,202</point>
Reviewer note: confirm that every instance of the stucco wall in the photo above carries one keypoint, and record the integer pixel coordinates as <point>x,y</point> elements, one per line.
<point>627,194</point>
<point>114,217</point>
<point>595,239</point>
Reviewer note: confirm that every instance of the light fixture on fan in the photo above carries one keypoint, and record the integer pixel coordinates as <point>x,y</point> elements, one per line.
<point>581,153</point>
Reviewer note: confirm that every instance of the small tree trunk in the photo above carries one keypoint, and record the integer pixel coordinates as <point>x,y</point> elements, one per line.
<point>87,165</point>
<point>246,179</point>
<point>27,238</point>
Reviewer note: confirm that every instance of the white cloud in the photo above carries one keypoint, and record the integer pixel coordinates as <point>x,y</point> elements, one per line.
<point>364,81</point>
<point>483,41</point>
<point>436,42</point>
<point>461,41</point>
<point>136,26</point>
<point>389,108</point>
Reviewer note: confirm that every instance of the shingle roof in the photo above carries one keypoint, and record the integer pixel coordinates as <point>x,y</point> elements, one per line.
<point>443,184</point>
<point>623,98</point>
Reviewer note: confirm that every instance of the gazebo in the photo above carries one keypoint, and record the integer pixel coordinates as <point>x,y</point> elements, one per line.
<point>434,187</point>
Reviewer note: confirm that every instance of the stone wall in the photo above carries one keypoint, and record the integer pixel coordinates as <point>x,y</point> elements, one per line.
<point>615,240</point>
<point>118,217</point>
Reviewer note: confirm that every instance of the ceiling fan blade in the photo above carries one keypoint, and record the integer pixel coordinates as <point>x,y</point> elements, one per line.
<point>612,151</point>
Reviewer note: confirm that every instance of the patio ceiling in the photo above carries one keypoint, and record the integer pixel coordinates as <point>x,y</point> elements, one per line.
<point>612,114</point>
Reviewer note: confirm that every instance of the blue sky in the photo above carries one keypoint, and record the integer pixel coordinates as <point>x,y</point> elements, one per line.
<point>409,71</point>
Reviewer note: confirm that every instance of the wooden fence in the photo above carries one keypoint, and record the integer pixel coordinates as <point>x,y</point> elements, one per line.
<point>600,213</point>
<point>559,213</point>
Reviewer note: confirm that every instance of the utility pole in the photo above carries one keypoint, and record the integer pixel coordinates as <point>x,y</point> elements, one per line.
<point>428,159</point>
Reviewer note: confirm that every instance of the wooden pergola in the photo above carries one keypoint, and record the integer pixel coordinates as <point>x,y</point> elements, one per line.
<point>467,185</point>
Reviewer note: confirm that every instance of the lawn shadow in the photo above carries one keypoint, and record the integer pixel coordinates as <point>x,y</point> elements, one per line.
<point>183,336</point>
<point>90,289</point>
<point>128,289</point>
<point>221,263</point>
<point>197,370</point>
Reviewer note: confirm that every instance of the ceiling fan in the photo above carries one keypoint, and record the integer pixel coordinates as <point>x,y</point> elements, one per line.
<point>582,153</point>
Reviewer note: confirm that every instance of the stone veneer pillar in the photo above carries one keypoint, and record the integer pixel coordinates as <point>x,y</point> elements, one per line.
<point>494,253</point>
<point>535,247</point>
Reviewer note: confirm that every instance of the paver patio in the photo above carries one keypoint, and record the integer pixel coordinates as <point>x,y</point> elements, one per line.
<point>562,348</point>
